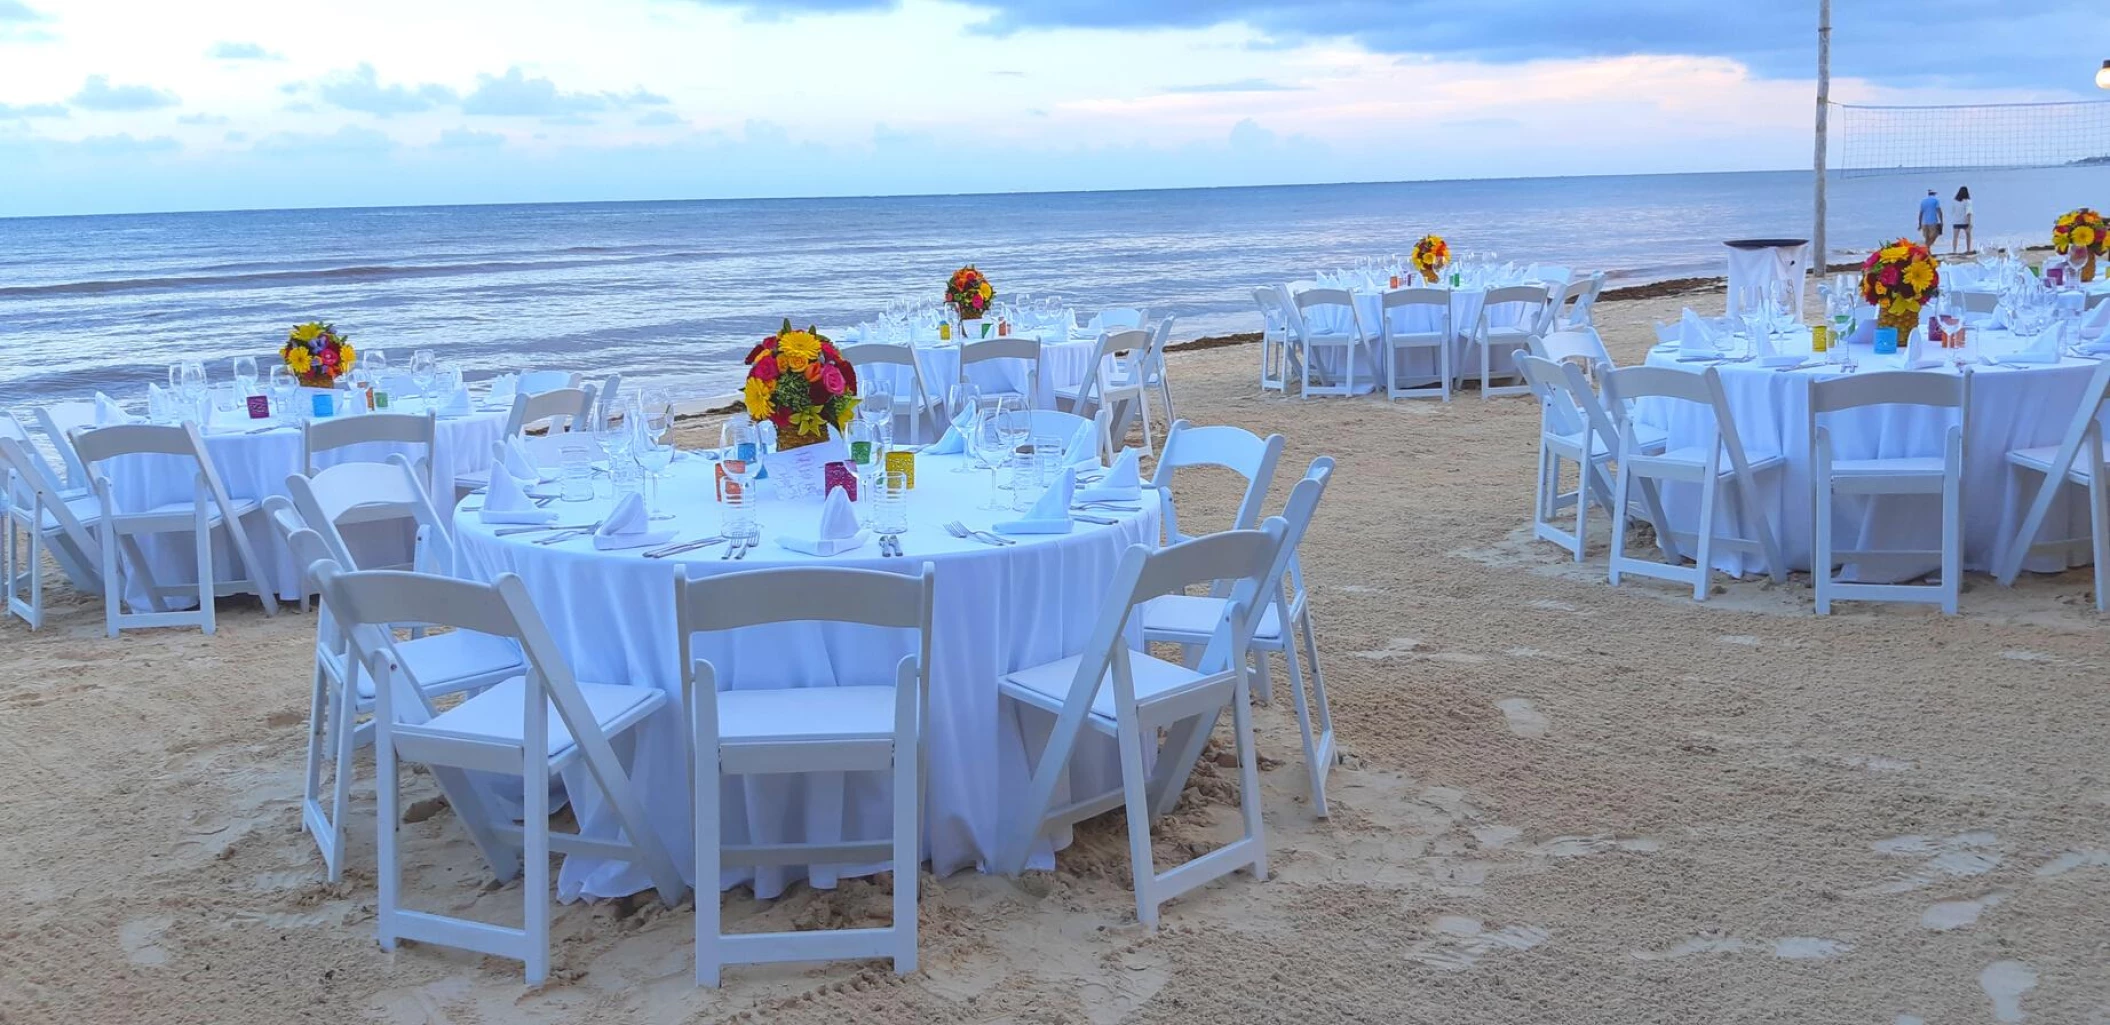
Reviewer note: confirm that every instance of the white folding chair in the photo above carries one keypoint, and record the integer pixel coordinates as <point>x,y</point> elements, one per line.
<point>58,474</point>
<point>823,727</point>
<point>1581,347</point>
<point>1025,349</point>
<point>2079,459</point>
<point>1576,427</point>
<point>1231,448</point>
<point>1155,378</point>
<point>349,493</point>
<point>58,421</point>
<point>1129,696</point>
<point>1348,335</point>
<point>1278,361</point>
<point>1111,382</point>
<point>1888,475</point>
<point>1529,307</point>
<point>562,409</point>
<point>340,692</point>
<point>42,517</point>
<point>533,726</point>
<point>535,382</point>
<point>606,394</point>
<point>918,403</point>
<point>1577,316</point>
<point>389,429</point>
<point>1395,341</point>
<point>1073,429</point>
<point>1190,620</point>
<point>209,509</point>
<point>1701,464</point>
<point>1116,319</point>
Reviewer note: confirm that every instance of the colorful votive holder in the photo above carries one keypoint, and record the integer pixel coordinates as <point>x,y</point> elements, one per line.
<point>1886,341</point>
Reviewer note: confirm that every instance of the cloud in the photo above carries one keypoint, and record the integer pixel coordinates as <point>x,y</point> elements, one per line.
<point>348,139</point>
<point>469,138</point>
<point>514,94</point>
<point>1243,85</point>
<point>779,10</point>
<point>360,89</point>
<point>656,118</point>
<point>202,119</point>
<point>124,145</point>
<point>98,94</point>
<point>241,52</point>
<point>17,13</point>
<point>10,112</point>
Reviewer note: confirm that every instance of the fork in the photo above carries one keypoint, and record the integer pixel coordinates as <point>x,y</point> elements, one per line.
<point>567,535</point>
<point>510,531</point>
<point>744,546</point>
<point>733,549</point>
<point>686,546</point>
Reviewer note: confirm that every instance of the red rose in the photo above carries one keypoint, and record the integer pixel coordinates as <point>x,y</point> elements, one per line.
<point>782,417</point>
<point>1890,275</point>
<point>849,378</point>
<point>832,379</point>
<point>817,393</point>
<point>765,368</point>
<point>756,352</point>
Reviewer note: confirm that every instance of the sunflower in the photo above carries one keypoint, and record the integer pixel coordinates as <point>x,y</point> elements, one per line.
<point>298,360</point>
<point>756,394</point>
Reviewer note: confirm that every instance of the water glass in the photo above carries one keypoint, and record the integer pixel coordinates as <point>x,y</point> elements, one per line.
<point>890,503</point>
<point>191,382</point>
<point>653,458</point>
<point>245,375</point>
<point>424,372</point>
<point>577,464</point>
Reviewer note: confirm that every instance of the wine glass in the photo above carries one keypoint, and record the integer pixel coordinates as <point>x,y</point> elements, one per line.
<point>192,380</point>
<point>1014,425</point>
<point>245,375</point>
<point>985,445</point>
<point>658,411</point>
<point>283,389</point>
<point>961,399</point>
<point>877,411</point>
<point>424,371</point>
<point>653,457</point>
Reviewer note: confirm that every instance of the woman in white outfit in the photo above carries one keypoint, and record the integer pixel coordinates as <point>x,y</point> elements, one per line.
<point>1960,223</point>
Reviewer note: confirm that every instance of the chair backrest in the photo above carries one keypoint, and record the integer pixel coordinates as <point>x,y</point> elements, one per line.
<point>1566,296</point>
<point>1436,300</point>
<point>1274,316</point>
<point>58,421</point>
<point>566,409</point>
<point>607,393</point>
<point>1887,388</point>
<point>1535,302</point>
<point>1091,393</point>
<point>1018,347</point>
<point>1579,315</point>
<point>1562,346</point>
<point>1296,516</point>
<point>32,461</point>
<point>1233,448</point>
<point>375,491</point>
<point>1326,298</point>
<point>1153,359</point>
<point>535,382</point>
<point>181,440</point>
<point>332,433</point>
<point>1979,302</point>
<point>1704,389</point>
<point>32,483</point>
<point>1114,319</point>
<point>1071,428</point>
<point>1562,414</point>
<point>867,354</point>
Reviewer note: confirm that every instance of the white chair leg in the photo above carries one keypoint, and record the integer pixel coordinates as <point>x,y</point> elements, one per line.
<point>346,740</point>
<point>1264,685</point>
<point>1708,493</point>
<point>1582,499</point>
<point>1621,485</point>
<point>1133,782</point>
<point>1319,739</point>
<point>907,849</point>
<point>1249,773</point>
<point>534,877</point>
<point>202,537</point>
<point>320,710</point>
<point>1952,541</point>
<point>113,584</point>
<point>387,871</point>
<point>2099,516</point>
<point>708,784</point>
<point>1821,557</point>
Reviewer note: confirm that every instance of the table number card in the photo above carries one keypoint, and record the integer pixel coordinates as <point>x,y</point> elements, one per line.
<point>259,407</point>
<point>904,463</point>
<point>801,473</point>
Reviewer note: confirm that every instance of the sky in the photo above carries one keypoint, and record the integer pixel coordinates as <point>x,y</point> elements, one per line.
<point>111,106</point>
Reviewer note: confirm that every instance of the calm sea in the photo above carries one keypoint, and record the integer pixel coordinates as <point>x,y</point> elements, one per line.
<point>678,291</point>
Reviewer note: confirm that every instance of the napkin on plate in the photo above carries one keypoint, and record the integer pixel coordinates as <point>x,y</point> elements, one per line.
<point>1122,483</point>
<point>628,526</point>
<point>838,529</point>
<point>1693,337</point>
<point>1050,515</point>
<point>954,440</point>
<point>514,457</point>
<point>506,502</point>
<point>108,412</point>
<point>457,404</point>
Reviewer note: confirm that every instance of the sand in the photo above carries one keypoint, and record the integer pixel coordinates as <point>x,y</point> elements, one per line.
<point>1561,802</point>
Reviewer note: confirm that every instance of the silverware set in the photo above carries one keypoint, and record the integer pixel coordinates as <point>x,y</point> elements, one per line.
<point>961,531</point>
<point>568,534</point>
<point>686,546</point>
<point>890,546</point>
<point>737,550</point>
<point>542,529</point>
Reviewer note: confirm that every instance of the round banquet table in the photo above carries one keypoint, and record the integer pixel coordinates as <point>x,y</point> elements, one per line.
<point>1466,303</point>
<point>997,609</point>
<point>253,459</point>
<point>1062,365</point>
<point>2012,407</point>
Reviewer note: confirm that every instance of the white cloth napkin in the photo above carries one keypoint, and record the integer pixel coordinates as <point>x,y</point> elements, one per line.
<point>108,412</point>
<point>629,526</point>
<point>507,502</point>
<point>1123,482</point>
<point>514,456</point>
<point>2043,349</point>
<point>502,388</point>
<point>457,404</point>
<point>1919,352</point>
<point>954,440</point>
<point>838,529</point>
<point>2095,328</point>
<point>1693,337</point>
<point>1050,515</point>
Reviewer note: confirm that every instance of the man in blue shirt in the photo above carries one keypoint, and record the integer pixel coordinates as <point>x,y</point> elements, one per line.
<point>1930,218</point>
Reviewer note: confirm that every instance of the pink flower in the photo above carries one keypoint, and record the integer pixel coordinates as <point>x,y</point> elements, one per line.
<point>832,379</point>
<point>766,369</point>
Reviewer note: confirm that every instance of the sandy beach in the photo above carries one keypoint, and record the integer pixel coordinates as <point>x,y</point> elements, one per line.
<point>1560,802</point>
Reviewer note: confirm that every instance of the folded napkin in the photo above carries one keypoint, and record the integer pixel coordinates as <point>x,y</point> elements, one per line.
<point>1919,352</point>
<point>1083,449</point>
<point>159,406</point>
<point>507,502</point>
<point>2043,349</point>
<point>1693,337</point>
<point>502,389</point>
<point>1122,483</point>
<point>1050,515</point>
<point>629,526</point>
<point>108,412</point>
<point>514,457</point>
<point>457,404</point>
<point>954,440</point>
<point>838,529</point>
<point>2095,328</point>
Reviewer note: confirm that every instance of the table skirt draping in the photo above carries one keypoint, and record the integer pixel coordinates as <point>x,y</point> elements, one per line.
<point>996,610</point>
<point>1062,365</point>
<point>2011,408</point>
<point>1418,364</point>
<point>255,467</point>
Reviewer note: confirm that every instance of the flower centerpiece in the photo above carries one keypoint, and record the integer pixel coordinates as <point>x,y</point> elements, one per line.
<point>1896,280</point>
<point>2080,235</point>
<point>1430,256</point>
<point>317,354</point>
<point>969,293</point>
<point>800,382</point>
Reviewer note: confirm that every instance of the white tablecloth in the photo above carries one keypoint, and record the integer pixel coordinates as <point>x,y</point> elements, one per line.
<point>255,466</point>
<point>1062,364</point>
<point>2011,408</point>
<point>997,610</point>
<point>1369,359</point>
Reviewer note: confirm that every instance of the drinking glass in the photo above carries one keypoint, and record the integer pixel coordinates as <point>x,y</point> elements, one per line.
<point>985,445</point>
<point>1013,426</point>
<point>424,372</point>
<point>245,375</point>
<point>615,439</point>
<point>192,380</point>
<point>890,503</point>
<point>653,458</point>
<point>175,379</point>
<point>577,467</point>
<point>739,440</point>
<point>284,389</point>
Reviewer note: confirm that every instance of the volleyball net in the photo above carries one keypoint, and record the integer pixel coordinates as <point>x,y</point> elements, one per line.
<point>1891,140</point>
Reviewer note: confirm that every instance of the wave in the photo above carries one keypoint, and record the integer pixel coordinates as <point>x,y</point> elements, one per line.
<point>324,275</point>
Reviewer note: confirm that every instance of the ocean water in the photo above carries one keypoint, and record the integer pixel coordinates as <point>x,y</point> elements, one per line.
<point>678,291</point>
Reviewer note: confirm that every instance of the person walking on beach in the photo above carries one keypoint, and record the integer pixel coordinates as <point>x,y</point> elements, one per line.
<point>1930,218</point>
<point>1960,223</point>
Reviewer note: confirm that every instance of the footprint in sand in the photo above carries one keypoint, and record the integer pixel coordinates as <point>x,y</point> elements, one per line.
<point>1524,720</point>
<point>1955,857</point>
<point>2071,860</point>
<point>1955,914</point>
<point>1787,948</point>
<point>2005,982</point>
<point>1580,846</point>
<point>1460,942</point>
<point>140,939</point>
